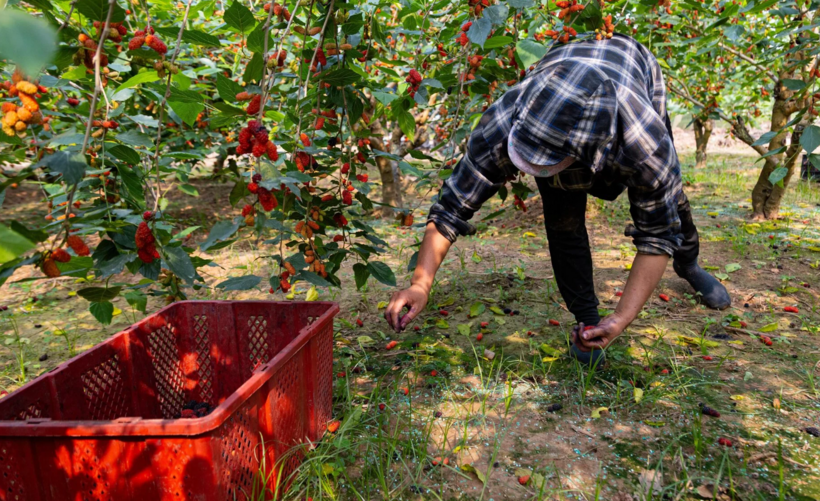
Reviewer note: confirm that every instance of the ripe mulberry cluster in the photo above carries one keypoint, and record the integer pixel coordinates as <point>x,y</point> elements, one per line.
<point>49,267</point>
<point>146,244</point>
<point>147,37</point>
<point>88,51</point>
<point>115,32</point>
<point>414,79</point>
<point>568,7</point>
<point>279,11</point>
<point>479,5</point>
<point>15,119</point>
<point>609,28</point>
<point>462,37</point>
<point>254,139</point>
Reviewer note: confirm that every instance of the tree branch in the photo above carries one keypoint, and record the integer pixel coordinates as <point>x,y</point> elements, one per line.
<point>749,60</point>
<point>738,127</point>
<point>93,107</point>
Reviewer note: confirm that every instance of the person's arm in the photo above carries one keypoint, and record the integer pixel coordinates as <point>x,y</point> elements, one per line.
<point>646,272</point>
<point>434,248</point>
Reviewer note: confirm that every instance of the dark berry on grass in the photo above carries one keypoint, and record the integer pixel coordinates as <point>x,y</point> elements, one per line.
<point>507,311</point>
<point>708,411</point>
<point>438,413</point>
<point>811,430</point>
<point>554,407</point>
<point>496,465</point>
<point>37,326</point>
<point>745,305</point>
<point>43,357</point>
<point>516,312</point>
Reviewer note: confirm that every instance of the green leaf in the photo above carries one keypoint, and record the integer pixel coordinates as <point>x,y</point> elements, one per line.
<point>228,89</point>
<point>71,167</point>
<point>139,78</point>
<point>722,276</point>
<point>256,40</point>
<point>407,123</point>
<point>97,10</point>
<point>131,180</point>
<point>124,153</point>
<point>12,244</point>
<point>240,283</point>
<point>778,175</point>
<point>810,139</point>
<point>254,70</point>
<point>765,138</point>
<point>239,17</point>
<point>137,300</point>
<point>340,77</point>
<point>180,263</point>
<point>479,31</point>
<point>382,273</point>
<point>35,236</point>
<point>521,4</point>
<point>499,41</point>
<point>135,138</point>
<point>99,294</point>
<point>497,14</point>
<point>769,327</point>
<point>529,52</point>
<point>732,267</point>
<point>77,267</point>
<point>361,274</point>
<point>187,111</point>
<point>442,324</point>
<point>463,329</point>
<point>103,312</point>
<point>496,310</point>
<point>477,309</point>
<point>27,41</point>
<point>313,278</point>
<point>222,230</point>
<point>793,84</point>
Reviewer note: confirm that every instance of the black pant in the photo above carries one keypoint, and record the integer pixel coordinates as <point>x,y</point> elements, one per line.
<point>564,218</point>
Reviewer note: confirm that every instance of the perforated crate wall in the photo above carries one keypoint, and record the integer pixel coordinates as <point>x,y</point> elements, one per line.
<point>102,427</point>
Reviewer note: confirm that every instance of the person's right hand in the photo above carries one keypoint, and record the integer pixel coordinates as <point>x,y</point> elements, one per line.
<point>414,298</point>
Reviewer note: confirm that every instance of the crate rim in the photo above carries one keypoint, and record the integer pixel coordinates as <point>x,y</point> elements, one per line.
<point>139,427</point>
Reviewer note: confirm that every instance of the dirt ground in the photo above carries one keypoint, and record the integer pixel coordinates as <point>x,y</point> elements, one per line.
<point>633,430</point>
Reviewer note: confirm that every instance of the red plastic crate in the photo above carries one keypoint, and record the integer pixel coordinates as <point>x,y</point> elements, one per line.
<point>100,427</point>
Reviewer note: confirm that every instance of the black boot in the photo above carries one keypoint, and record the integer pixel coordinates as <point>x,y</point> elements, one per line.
<point>713,293</point>
<point>594,359</point>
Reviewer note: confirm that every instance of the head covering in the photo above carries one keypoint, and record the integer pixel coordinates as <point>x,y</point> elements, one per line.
<point>565,111</point>
<point>536,170</point>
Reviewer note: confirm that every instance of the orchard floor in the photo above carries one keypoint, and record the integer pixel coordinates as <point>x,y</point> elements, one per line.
<point>472,429</point>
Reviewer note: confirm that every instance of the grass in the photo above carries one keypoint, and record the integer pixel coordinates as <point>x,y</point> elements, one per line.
<point>475,427</point>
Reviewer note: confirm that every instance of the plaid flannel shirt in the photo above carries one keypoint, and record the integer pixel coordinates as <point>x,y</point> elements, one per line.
<point>618,79</point>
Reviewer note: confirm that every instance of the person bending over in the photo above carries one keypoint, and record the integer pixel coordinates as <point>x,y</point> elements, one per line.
<point>590,118</point>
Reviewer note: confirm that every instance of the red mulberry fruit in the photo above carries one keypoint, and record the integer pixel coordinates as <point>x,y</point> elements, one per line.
<point>144,237</point>
<point>61,256</point>
<point>136,43</point>
<point>78,246</point>
<point>267,200</point>
<point>156,44</point>
<point>273,154</point>
<point>49,268</point>
<point>253,188</point>
<point>254,105</point>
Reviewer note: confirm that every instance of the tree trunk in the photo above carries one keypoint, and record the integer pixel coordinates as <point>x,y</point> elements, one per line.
<point>391,189</point>
<point>703,131</point>
<point>765,196</point>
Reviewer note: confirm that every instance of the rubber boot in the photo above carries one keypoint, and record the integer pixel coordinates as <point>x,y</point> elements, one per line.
<point>713,294</point>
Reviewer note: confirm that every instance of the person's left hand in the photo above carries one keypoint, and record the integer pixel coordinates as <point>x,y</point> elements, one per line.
<point>600,336</point>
